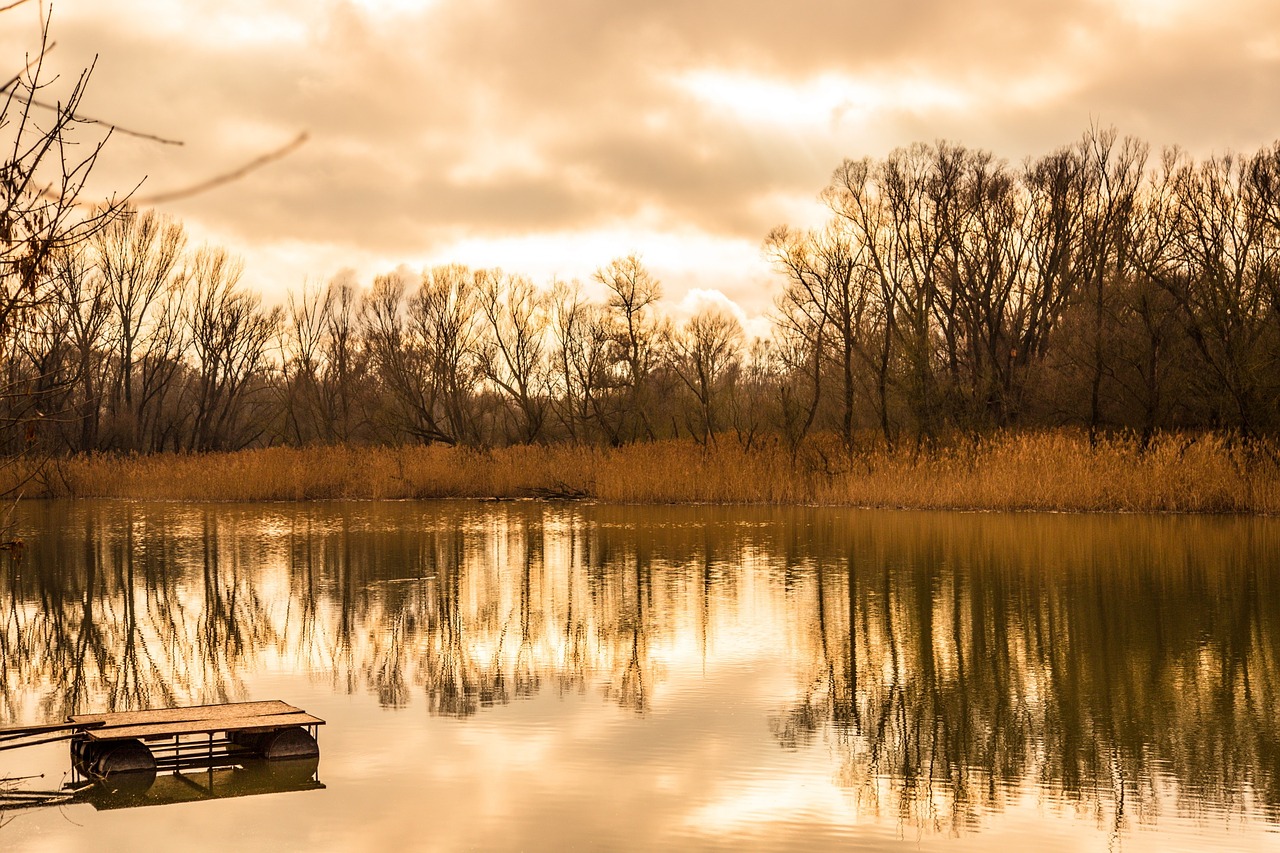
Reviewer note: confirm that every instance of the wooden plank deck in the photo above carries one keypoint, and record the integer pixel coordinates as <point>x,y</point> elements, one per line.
<point>154,731</point>
<point>159,723</point>
<point>190,712</point>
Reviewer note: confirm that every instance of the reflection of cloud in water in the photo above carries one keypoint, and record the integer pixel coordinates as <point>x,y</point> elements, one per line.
<point>790,798</point>
<point>952,665</point>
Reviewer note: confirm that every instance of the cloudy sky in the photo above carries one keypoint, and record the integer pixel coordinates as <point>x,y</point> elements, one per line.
<point>548,136</point>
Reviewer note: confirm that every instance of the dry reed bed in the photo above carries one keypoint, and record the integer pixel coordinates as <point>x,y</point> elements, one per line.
<point>1042,471</point>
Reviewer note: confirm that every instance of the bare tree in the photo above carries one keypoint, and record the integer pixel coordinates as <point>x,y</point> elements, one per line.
<point>404,367</point>
<point>707,351</point>
<point>1214,259</point>
<point>138,254</point>
<point>633,291</point>
<point>82,296</point>
<point>161,367</point>
<point>854,196</point>
<point>584,365</point>
<point>229,336</point>
<point>444,317</point>
<point>512,348</point>
<point>344,363</point>
<point>830,296</point>
<point>49,153</point>
<point>984,283</point>
<point>301,348</point>
<point>1113,172</point>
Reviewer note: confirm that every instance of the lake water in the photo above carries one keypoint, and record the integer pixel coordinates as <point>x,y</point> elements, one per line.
<point>542,676</point>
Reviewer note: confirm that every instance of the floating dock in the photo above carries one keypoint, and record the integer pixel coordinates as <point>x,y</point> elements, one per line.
<point>236,749</point>
<point>195,736</point>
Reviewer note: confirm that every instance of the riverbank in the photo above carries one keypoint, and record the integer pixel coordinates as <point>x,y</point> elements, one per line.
<point>1042,471</point>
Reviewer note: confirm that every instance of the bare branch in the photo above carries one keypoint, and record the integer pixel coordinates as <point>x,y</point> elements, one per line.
<point>236,174</point>
<point>44,51</point>
<point>110,125</point>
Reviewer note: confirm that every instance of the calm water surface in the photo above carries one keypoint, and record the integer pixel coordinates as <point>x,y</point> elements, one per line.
<point>546,676</point>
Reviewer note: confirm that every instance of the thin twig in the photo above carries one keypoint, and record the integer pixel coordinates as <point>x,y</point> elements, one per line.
<point>160,198</point>
<point>17,78</point>
<point>114,127</point>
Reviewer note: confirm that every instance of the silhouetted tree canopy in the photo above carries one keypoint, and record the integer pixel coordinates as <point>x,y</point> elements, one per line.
<point>949,293</point>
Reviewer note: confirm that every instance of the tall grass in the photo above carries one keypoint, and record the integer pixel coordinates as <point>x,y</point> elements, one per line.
<point>1055,470</point>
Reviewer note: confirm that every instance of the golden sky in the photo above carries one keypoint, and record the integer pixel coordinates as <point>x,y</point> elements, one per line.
<point>548,136</point>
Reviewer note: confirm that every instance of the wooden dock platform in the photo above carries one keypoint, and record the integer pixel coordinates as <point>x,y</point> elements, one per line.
<point>235,749</point>
<point>197,735</point>
<point>161,723</point>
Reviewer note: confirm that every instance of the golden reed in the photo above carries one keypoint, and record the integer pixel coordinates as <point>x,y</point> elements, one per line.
<point>1055,470</point>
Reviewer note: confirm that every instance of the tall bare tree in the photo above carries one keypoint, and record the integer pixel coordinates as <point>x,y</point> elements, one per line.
<point>633,292</point>
<point>445,318</point>
<point>138,254</point>
<point>513,345</point>
<point>583,371</point>
<point>345,365</point>
<point>301,354</point>
<point>707,352</point>
<point>81,295</point>
<point>830,296</point>
<point>229,336</point>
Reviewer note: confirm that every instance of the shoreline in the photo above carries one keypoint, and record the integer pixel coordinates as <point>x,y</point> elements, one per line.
<point>593,501</point>
<point>1052,471</point>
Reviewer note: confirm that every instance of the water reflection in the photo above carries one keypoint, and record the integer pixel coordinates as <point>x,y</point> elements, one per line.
<point>248,779</point>
<point>1120,668</point>
<point>1124,667</point>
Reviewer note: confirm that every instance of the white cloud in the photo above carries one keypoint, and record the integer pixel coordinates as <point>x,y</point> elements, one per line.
<point>825,101</point>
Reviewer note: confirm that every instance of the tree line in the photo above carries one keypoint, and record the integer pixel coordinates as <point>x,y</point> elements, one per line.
<point>1095,286</point>
<point>948,292</point>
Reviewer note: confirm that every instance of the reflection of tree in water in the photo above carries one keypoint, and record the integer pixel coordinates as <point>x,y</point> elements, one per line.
<point>460,677</point>
<point>97,618</point>
<point>951,660</point>
<point>622,587</point>
<point>952,667</point>
<point>120,606</point>
<point>503,619</point>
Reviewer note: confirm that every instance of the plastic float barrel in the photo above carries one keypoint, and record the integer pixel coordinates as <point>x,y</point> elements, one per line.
<point>125,764</point>
<point>292,742</point>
